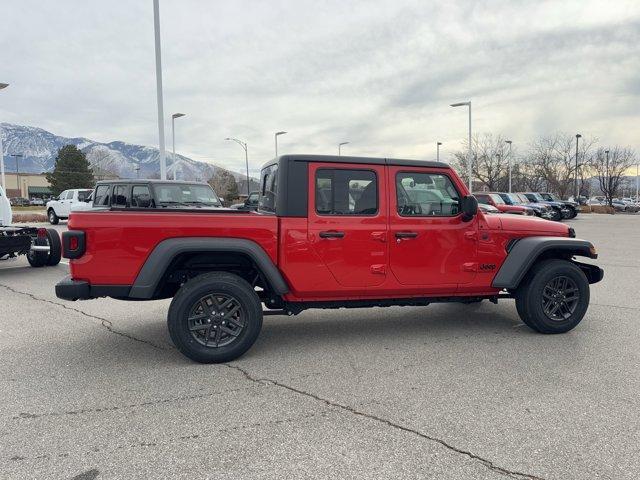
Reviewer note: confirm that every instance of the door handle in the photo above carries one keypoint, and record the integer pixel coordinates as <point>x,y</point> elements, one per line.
<point>400,235</point>
<point>331,234</point>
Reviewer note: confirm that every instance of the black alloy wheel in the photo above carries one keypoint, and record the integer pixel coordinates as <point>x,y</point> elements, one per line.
<point>560,298</point>
<point>216,320</point>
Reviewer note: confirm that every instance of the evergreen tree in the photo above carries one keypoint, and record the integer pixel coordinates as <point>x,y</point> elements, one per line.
<point>72,170</point>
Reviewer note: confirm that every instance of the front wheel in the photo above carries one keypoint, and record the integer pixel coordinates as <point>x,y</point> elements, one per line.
<point>53,218</point>
<point>553,297</point>
<point>215,317</point>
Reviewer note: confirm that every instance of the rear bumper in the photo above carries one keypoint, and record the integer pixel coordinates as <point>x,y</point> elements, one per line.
<point>69,289</point>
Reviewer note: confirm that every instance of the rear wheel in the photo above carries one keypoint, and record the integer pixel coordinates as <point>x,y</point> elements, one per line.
<point>55,247</point>
<point>554,296</point>
<point>215,317</point>
<point>557,215</point>
<point>53,218</point>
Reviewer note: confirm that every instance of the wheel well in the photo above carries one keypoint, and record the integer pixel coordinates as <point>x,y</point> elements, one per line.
<point>188,265</point>
<point>563,254</point>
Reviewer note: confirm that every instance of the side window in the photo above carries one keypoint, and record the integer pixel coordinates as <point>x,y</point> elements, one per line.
<point>101,198</point>
<point>140,196</point>
<point>269,189</point>
<point>120,193</point>
<point>346,192</point>
<point>426,194</point>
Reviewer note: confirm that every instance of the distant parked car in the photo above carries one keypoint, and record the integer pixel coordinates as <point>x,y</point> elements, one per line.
<point>495,200</point>
<point>19,202</point>
<point>539,209</point>
<point>561,210</point>
<point>251,203</point>
<point>572,206</point>
<point>59,209</point>
<point>36,202</point>
<point>137,194</point>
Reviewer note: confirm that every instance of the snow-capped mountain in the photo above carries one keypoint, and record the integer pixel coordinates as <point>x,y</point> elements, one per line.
<point>39,149</point>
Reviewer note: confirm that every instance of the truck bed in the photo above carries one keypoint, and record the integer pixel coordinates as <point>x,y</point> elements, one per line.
<point>125,238</point>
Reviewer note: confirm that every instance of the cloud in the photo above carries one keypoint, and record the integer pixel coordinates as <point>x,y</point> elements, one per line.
<point>378,74</point>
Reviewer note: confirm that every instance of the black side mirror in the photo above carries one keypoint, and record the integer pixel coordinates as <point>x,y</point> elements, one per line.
<point>469,207</point>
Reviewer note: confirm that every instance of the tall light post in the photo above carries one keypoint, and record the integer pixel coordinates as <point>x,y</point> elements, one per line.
<point>246,157</point>
<point>16,156</point>
<point>470,159</point>
<point>340,146</point>
<point>156,28</point>
<point>575,198</point>
<point>637,181</point>
<point>276,135</point>
<point>173,136</point>
<point>509,142</point>
<point>2,86</point>
<point>438,151</point>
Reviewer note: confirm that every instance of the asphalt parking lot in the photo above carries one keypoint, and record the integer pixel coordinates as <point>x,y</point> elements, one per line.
<point>96,390</point>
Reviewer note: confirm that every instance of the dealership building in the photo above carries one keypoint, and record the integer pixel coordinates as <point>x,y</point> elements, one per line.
<point>27,185</point>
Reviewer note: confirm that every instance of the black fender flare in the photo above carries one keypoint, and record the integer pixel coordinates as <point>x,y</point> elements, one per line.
<point>163,254</point>
<point>525,251</point>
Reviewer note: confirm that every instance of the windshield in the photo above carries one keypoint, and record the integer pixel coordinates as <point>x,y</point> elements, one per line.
<point>84,195</point>
<point>185,194</point>
<point>537,197</point>
<point>497,199</point>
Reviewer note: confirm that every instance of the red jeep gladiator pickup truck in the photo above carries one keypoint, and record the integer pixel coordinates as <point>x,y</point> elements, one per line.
<point>330,232</point>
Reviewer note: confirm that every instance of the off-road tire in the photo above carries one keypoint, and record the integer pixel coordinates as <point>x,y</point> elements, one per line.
<point>223,285</point>
<point>53,218</point>
<point>557,215</point>
<point>55,247</point>
<point>530,299</point>
<point>38,259</point>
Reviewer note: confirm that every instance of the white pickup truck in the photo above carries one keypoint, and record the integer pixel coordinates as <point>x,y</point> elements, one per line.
<point>59,209</point>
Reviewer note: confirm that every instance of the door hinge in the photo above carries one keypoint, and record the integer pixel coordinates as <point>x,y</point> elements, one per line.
<point>473,235</point>
<point>380,236</point>
<point>379,268</point>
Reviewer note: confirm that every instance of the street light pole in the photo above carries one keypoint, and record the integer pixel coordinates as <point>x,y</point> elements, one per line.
<point>246,159</point>
<point>2,86</point>
<point>156,28</point>
<point>509,142</point>
<point>16,156</point>
<point>470,159</point>
<point>575,199</point>
<point>339,147</point>
<point>438,151</point>
<point>173,137</point>
<point>637,182</point>
<point>277,134</point>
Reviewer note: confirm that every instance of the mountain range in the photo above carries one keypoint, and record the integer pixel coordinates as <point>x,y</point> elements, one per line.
<point>38,149</point>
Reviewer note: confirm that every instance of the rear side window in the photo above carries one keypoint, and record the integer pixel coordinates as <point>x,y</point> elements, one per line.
<point>484,199</point>
<point>120,196</point>
<point>140,196</point>
<point>101,197</point>
<point>268,189</point>
<point>426,194</point>
<point>346,192</point>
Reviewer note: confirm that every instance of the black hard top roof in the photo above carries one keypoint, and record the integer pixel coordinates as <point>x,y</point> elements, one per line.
<point>360,160</point>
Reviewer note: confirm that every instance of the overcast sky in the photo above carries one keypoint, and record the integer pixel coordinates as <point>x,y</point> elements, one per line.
<point>379,74</point>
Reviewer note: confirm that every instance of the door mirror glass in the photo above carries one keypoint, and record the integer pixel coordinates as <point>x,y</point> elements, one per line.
<point>469,207</point>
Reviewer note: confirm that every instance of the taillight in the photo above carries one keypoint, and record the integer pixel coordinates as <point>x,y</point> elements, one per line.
<point>73,244</point>
<point>42,233</point>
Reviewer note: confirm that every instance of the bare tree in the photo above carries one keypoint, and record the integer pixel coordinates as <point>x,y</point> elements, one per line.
<point>609,165</point>
<point>490,161</point>
<point>553,159</point>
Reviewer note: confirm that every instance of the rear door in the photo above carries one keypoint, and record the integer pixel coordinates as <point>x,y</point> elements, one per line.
<point>430,245</point>
<point>347,221</point>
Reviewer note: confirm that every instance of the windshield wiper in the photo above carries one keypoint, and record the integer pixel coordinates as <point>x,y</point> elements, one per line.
<point>171,202</point>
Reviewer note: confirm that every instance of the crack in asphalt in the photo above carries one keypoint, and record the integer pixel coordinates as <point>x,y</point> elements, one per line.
<point>487,463</point>
<point>107,324</point>
<point>114,408</point>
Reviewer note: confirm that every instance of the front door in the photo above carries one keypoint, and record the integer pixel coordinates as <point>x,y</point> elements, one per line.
<point>430,244</point>
<point>347,221</point>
